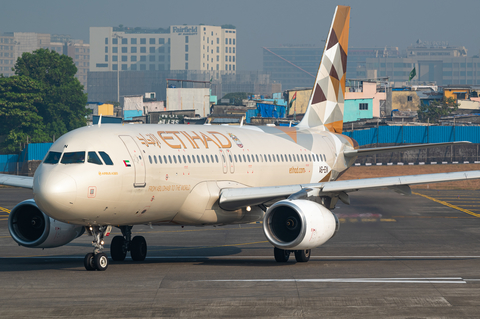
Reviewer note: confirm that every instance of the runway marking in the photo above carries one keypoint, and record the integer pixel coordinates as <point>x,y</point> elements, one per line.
<point>266,257</point>
<point>192,230</point>
<point>6,210</point>
<point>203,247</point>
<point>448,204</point>
<point>439,280</point>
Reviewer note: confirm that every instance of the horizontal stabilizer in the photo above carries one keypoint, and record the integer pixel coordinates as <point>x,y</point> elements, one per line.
<point>400,148</point>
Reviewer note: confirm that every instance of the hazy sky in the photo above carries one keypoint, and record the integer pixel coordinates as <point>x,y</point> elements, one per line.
<point>269,23</point>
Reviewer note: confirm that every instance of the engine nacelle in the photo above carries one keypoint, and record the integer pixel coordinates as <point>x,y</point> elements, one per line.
<point>299,224</point>
<point>30,227</point>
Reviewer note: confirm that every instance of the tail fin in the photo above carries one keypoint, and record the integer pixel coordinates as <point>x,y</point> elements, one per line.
<point>325,107</point>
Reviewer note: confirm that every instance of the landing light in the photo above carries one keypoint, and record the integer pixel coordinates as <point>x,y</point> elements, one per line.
<point>249,208</point>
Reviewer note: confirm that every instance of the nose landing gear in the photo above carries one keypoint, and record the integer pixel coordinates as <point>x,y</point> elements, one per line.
<point>97,260</point>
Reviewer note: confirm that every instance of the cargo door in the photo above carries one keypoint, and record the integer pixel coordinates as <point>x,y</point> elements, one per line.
<point>138,161</point>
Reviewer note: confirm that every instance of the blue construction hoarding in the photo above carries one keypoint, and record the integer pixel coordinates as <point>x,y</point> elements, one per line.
<point>266,110</point>
<point>416,134</point>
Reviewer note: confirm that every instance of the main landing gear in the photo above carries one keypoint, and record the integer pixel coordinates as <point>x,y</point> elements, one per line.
<point>97,260</point>
<point>122,244</point>
<point>282,255</point>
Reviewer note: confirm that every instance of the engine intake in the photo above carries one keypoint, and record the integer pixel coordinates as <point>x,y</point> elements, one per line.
<point>299,224</point>
<point>30,227</point>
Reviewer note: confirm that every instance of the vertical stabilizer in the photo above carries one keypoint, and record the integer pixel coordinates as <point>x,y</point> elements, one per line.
<point>325,107</point>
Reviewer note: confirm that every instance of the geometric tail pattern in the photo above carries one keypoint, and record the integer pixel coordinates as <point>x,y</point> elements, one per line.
<point>325,107</point>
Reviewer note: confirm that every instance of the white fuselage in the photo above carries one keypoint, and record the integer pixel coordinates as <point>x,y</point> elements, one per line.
<point>174,173</point>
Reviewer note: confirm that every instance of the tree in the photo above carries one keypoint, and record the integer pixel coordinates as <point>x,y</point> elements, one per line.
<point>436,109</point>
<point>20,98</point>
<point>63,104</point>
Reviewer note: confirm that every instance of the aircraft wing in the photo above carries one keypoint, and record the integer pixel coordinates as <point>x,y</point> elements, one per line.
<point>234,198</point>
<point>18,181</point>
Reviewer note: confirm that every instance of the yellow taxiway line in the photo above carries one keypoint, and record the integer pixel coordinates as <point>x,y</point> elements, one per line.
<point>448,205</point>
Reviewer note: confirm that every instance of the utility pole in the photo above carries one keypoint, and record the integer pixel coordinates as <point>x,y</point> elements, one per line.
<point>118,69</point>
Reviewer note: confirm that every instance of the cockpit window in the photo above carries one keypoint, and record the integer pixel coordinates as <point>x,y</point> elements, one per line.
<point>93,158</point>
<point>73,158</point>
<point>52,157</point>
<point>106,158</point>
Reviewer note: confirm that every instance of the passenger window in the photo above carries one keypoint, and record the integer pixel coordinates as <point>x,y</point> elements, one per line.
<point>170,159</point>
<point>281,156</point>
<point>150,159</point>
<point>230,155</point>
<point>159,159</point>
<point>298,158</point>
<point>244,159</point>
<point>269,158</point>
<point>203,159</point>
<point>248,157</point>
<point>216,158</point>
<point>240,158</point>
<point>211,157</point>
<point>164,159</point>
<point>52,158</point>
<point>188,156</point>
<point>73,158</point>
<point>175,159</point>
<point>106,158</point>
<point>256,156</point>
<point>309,158</point>
<point>155,158</point>
<point>198,159</point>
<point>289,157</point>
<point>235,157</point>
<point>193,158</point>
<point>179,159</point>
<point>208,160</point>
<point>93,158</point>
<point>278,158</point>
<point>184,159</point>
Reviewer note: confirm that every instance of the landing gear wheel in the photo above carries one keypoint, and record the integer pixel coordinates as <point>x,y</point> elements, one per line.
<point>117,249</point>
<point>281,255</point>
<point>138,248</point>
<point>303,256</point>
<point>88,262</point>
<point>101,261</point>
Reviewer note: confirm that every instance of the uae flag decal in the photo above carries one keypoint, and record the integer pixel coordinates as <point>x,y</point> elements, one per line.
<point>127,163</point>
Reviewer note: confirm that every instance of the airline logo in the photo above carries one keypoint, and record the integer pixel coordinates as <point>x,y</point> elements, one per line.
<point>127,163</point>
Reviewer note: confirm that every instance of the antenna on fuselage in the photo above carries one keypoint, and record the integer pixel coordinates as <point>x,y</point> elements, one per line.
<point>100,120</point>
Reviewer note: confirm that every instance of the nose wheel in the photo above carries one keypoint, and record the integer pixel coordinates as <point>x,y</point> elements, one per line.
<point>97,260</point>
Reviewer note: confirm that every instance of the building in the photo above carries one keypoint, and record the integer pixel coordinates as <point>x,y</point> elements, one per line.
<point>296,66</point>
<point>180,47</point>
<point>433,62</point>
<point>14,44</point>
<point>7,60</point>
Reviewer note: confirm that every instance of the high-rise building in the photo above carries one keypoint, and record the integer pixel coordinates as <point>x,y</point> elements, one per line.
<point>14,44</point>
<point>180,47</point>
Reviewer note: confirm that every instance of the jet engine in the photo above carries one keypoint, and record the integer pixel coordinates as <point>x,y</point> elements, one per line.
<point>30,227</point>
<point>299,224</point>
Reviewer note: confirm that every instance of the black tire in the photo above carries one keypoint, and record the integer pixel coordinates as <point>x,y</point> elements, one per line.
<point>89,262</point>
<point>101,261</point>
<point>302,256</point>
<point>138,248</point>
<point>281,255</point>
<point>117,252</point>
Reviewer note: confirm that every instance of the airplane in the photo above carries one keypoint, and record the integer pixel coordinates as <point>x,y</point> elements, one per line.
<point>110,175</point>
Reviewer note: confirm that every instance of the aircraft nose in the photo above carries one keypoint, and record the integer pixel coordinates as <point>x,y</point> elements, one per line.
<point>54,192</point>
